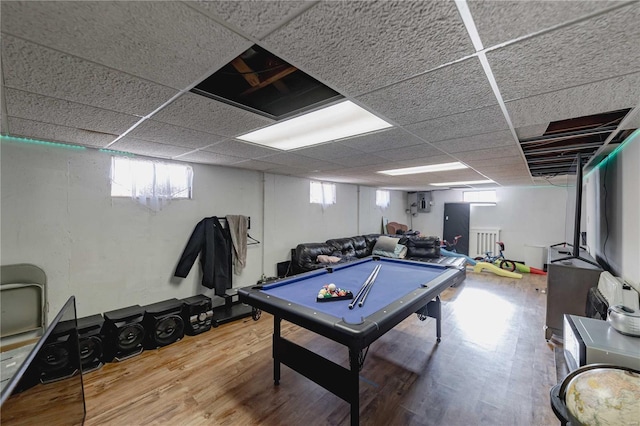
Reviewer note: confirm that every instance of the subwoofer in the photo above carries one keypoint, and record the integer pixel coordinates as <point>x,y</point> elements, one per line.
<point>197,314</point>
<point>55,360</point>
<point>91,342</point>
<point>163,323</point>
<point>123,332</point>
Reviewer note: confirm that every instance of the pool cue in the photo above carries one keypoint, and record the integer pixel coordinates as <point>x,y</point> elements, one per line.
<point>366,293</point>
<point>364,286</point>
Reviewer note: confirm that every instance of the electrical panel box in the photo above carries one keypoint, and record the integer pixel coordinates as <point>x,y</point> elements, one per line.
<point>424,202</point>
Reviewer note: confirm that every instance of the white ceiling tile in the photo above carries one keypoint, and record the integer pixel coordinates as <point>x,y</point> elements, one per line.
<point>241,149</point>
<point>168,134</point>
<point>410,152</point>
<point>405,61</point>
<point>51,73</point>
<point>456,88</point>
<point>380,141</point>
<point>210,158</point>
<point>485,154</point>
<point>54,133</point>
<point>500,21</point>
<point>516,181</point>
<point>334,41</point>
<point>472,143</point>
<point>288,170</point>
<point>328,151</point>
<point>290,159</point>
<point>533,130</point>
<point>255,165</point>
<point>362,159</point>
<point>468,123</point>
<point>593,98</point>
<point>255,17</point>
<point>151,149</point>
<point>57,111</point>
<point>481,164</point>
<point>596,49</point>
<point>455,176</point>
<point>207,115</point>
<point>501,169</point>
<point>174,44</point>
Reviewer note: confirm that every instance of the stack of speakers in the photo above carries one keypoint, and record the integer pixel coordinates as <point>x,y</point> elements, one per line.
<point>163,323</point>
<point>197,313</point>
<point>55,360</point>
<point>91,342</point>
<point>124,333</point>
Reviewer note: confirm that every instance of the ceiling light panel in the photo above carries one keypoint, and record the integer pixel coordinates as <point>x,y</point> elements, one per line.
<point>468,182</point>
<point>424,169</point>
<point>334,122</point>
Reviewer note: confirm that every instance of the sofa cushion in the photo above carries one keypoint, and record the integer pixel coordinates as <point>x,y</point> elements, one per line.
<point>371,241</point>
<point>360,246</point>
<point>344,247</point>
<point>386,244</point>
<point>307,255</point>
<point>428,247</point>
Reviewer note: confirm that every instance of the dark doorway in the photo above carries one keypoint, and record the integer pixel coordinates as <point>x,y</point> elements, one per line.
<point>456,222</point>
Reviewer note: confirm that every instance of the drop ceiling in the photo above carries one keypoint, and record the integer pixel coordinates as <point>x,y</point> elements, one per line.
<point>476,81</point>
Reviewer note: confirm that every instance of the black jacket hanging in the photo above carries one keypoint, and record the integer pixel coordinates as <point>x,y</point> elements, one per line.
<point>212,242</point>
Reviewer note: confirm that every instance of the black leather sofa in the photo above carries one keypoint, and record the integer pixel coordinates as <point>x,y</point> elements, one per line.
<point>424,249</point>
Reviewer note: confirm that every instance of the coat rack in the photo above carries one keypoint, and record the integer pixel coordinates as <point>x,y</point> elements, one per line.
<point>232,310</point>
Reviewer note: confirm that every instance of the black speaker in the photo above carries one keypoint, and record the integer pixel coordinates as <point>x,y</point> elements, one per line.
<point>91,342</point>
<point>55,361</point>
<point>123,333</point>
<point>197,313</point>
<point>163,323</point>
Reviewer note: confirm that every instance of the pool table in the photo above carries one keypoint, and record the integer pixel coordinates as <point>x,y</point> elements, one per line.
<point>400,289</point>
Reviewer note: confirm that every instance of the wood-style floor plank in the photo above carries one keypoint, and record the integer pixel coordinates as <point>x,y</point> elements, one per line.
<point>493,367</point>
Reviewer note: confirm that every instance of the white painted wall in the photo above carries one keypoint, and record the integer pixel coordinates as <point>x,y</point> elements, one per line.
<point>613,213</point>
<point>57,213</point>
<point>290,219</point>
<point>529,219</point>
<point>370,217</point>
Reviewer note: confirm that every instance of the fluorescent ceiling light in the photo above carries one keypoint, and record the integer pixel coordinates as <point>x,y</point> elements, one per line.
<point>468,182</point>
<point>333,122</point>
<point>425,169</point>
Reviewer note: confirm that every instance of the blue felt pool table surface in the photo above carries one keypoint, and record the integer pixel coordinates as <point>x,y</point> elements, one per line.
<point>395,280</point>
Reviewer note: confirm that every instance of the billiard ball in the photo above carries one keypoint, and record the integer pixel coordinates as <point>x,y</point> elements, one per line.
<point>332,287</point>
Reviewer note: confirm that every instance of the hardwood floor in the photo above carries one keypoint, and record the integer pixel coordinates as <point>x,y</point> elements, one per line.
<point>493,367</point>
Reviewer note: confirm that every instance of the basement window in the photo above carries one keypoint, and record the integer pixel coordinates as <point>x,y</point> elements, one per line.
<point>322,193</point>
<point>480,198</point>
<point>150,180</point>
<point>383,198</point>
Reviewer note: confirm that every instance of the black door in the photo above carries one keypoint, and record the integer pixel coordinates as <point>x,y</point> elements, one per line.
<point>456,222</point>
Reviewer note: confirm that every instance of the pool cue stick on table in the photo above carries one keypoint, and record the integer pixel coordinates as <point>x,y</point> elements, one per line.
<point>366,292</point>
<point>364,286</point>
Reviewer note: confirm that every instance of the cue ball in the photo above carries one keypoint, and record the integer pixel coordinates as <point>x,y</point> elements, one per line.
<point>332,287</point>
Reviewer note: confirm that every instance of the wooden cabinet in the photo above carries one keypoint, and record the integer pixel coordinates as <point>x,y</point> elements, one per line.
<point>568,283</point>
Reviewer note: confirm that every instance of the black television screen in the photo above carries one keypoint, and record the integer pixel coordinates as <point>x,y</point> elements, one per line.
<point>45,386</point>
<point>573,217</point>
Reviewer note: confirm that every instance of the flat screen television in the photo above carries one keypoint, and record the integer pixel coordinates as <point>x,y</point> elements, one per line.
<point>44,379</point>
<point>571,246</point>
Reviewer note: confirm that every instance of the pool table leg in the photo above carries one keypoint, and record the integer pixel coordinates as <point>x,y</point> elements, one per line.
<point>354,378</point>
<point>435,311</point>
<point>276,360</point>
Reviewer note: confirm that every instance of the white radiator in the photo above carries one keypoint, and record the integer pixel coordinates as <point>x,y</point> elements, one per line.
<point>482,240</point>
